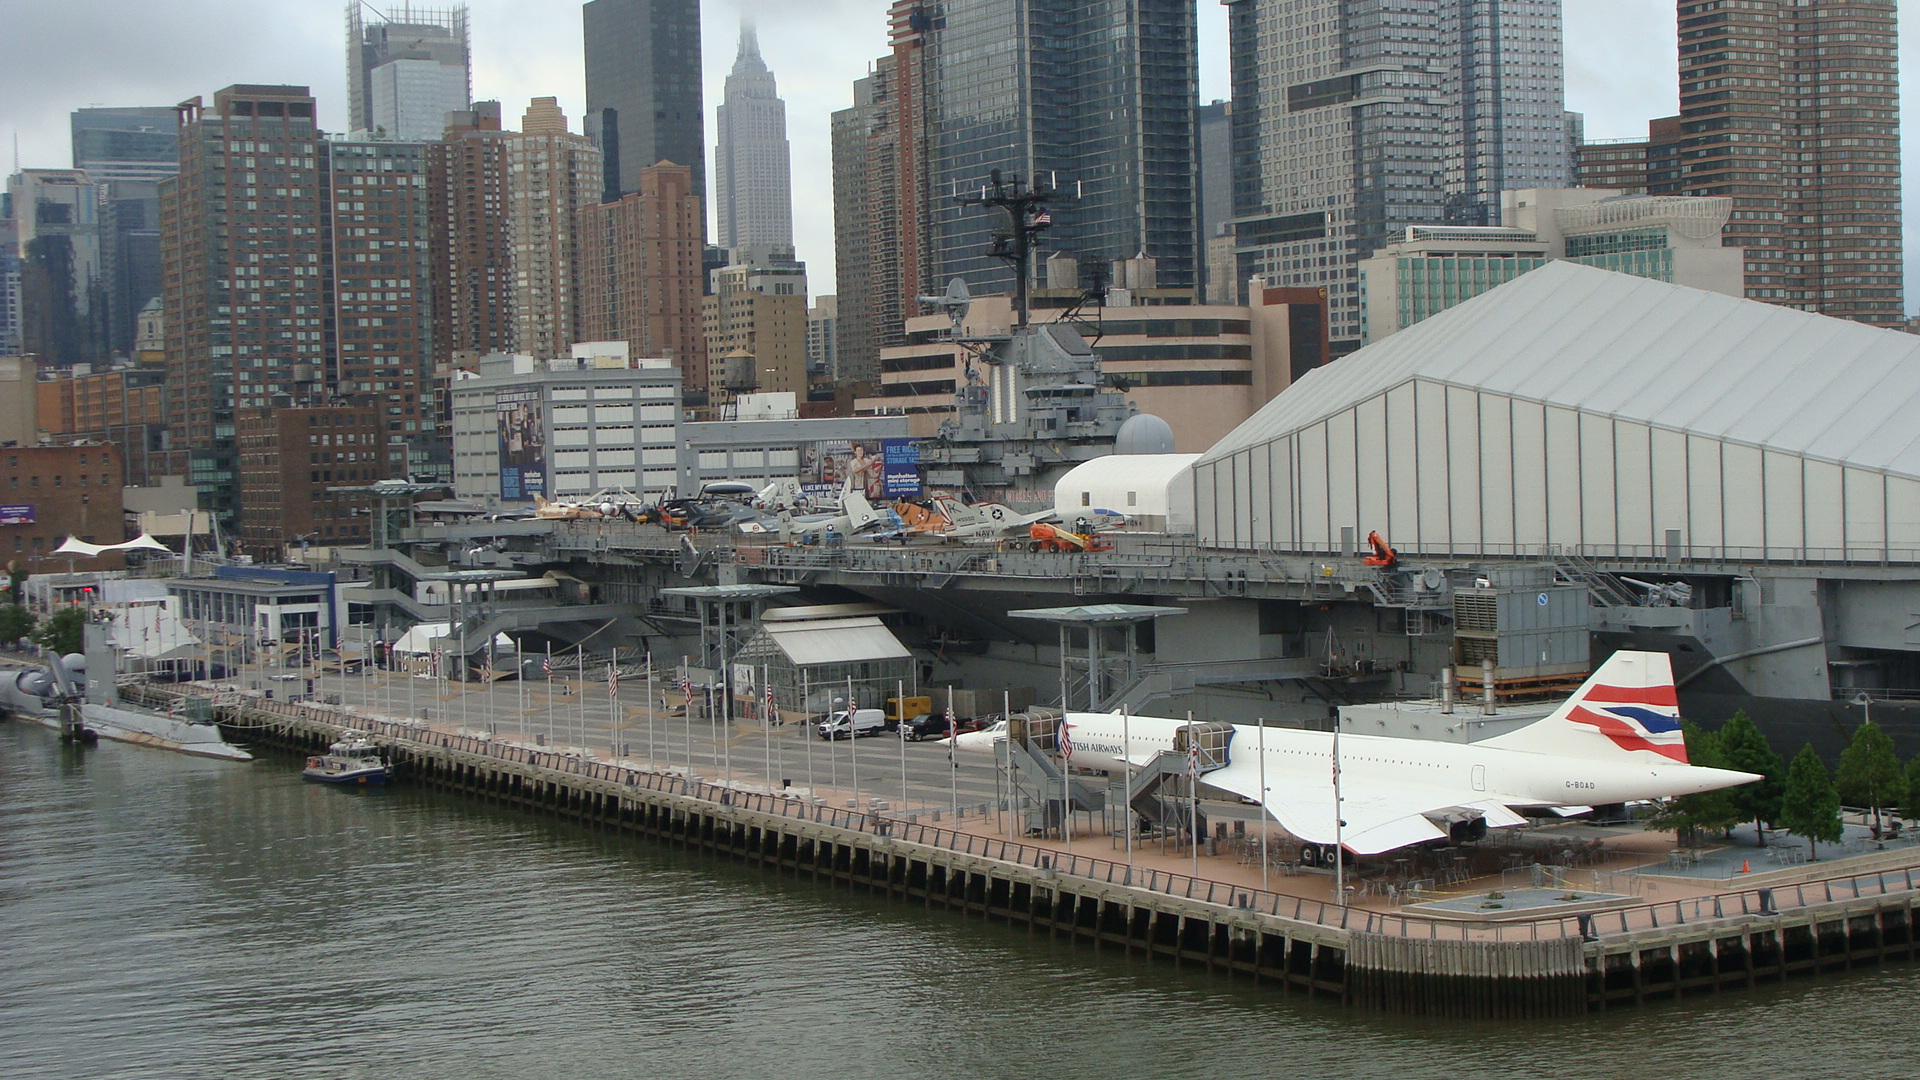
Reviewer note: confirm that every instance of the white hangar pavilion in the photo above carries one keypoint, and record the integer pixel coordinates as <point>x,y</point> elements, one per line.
<point>1583,410</point>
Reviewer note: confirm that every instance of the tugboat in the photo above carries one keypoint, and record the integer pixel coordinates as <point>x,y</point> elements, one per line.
<point>354,759</point>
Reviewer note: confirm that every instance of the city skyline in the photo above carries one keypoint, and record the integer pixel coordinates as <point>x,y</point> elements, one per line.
<point>1621,71</point>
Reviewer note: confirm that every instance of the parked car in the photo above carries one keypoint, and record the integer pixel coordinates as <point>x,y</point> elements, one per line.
<point>865,722</point>
<point>934,725</point>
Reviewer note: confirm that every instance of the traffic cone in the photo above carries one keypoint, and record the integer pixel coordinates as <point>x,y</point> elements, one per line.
<point>1746,866</point>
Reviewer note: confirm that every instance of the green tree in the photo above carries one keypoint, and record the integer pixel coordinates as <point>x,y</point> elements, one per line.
<point>1706,811</point>
<point>1870,774</point>
<point>1743,747</point>
<point>1811,805</point>
<point>16,622</point>
<point>16,581</point>
<point>63,632</point>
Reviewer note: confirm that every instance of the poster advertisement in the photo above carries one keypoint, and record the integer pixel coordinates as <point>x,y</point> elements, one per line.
<point>881,469</point>
<point>523,444</point>
<point>17,515</point>
<point>900,468</point>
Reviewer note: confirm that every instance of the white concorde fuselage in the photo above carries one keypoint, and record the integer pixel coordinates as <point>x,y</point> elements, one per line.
<point>1396,792</point>
<point>1476,770</point>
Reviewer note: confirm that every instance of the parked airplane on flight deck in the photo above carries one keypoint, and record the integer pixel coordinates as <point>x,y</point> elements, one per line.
<point>1616,740</point>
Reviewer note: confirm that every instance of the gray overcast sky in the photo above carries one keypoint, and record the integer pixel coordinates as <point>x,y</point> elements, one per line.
<point>55,57</point>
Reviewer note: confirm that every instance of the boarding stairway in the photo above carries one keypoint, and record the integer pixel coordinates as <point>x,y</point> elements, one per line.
<point>1027,755</point>
<point>1161,791</point>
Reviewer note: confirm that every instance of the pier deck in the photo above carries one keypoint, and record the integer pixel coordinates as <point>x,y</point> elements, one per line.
<point>1365,954</point>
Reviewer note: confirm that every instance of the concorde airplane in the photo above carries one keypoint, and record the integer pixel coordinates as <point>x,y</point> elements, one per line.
<point>1615,740</point>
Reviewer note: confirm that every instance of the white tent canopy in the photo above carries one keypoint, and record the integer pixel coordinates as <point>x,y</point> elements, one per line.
<point>419,640</point>
<point>151,632</point>
<point>76,546</point>
<point>835,641</point>
<point>1154,490</point>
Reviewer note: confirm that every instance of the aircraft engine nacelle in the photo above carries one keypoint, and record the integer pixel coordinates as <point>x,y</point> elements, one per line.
<point>1468,829</point>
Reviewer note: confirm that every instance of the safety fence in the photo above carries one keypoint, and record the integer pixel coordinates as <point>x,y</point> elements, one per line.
<point>1749,903</point>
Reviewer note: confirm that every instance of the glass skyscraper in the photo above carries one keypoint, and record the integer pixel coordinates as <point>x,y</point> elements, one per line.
<point>1095,96</point>
<point>1353,119</point>
<point>644,100</point>
<point>127,152</point>
<point>407,71</point>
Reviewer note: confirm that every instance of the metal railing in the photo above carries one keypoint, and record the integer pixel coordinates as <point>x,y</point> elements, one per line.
<point>1589,926</point>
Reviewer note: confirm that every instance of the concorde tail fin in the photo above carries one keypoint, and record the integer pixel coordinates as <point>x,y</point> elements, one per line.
<point>1628,707</point>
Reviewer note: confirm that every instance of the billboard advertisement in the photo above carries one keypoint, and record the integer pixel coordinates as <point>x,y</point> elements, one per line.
<point>17,515</point>
<point>881,469</point>
<point>523,444</point>
<point>900,468</point>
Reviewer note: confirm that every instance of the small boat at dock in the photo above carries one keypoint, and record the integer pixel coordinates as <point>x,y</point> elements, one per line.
<point>354,759</point>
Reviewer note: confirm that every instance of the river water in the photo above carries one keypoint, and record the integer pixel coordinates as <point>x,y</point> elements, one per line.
<point>162,916</point>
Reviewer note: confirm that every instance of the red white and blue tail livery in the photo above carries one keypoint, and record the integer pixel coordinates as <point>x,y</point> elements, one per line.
<point>1628,705</point>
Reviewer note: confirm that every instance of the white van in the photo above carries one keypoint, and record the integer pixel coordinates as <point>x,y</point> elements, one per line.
<point>865,722</point>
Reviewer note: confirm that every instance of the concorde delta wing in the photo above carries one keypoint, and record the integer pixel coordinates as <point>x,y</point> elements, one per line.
<point>1377,818</point>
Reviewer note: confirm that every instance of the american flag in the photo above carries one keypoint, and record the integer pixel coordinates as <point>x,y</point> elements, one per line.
<point>486,668</point>
<point>953,726</point>
<point>613,679</point>
<point>770,705</point>
<point>1193,759</point>
<point>1066,742</point>
<point>686,689</point>
<point>1044,217</point>
<point>546,667</point>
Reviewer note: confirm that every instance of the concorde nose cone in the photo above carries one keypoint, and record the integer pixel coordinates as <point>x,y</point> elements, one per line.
<point>1703,779</point>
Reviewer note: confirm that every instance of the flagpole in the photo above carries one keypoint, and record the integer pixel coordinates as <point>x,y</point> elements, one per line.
<point>1193,790</point>
<point>1126,755</point>
<point>1006,802</point>
<point>725,720</point>
<point>900,716</point>
<point>580,664</point>
<point>1339,843</point>
<point>853,746</point>
<point>773,717</point>
<point>686,708</point>
<point>1264,861</point>
<point>953,756</point>
<point>713,722</point>
<point>463,674</point>
<point>650,764</point>
<point>806,737</point>
<point>1063,741</point>
<point>548,669</point>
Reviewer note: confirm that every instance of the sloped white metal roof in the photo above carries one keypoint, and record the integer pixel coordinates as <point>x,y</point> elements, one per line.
<point>835,641</point>
<point>1643,350</point>
<point>1108,479</point>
